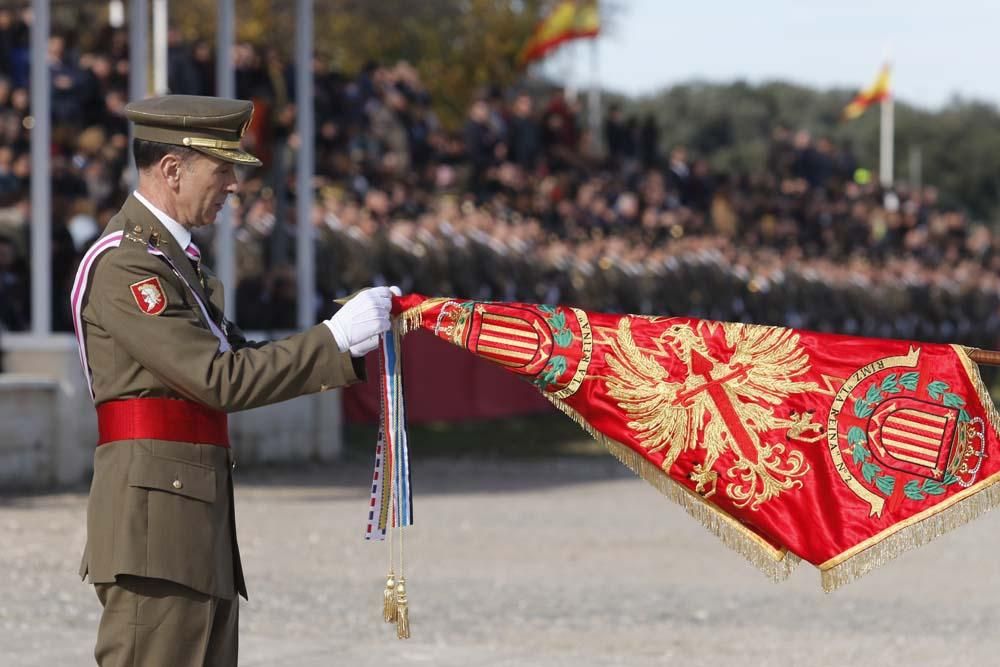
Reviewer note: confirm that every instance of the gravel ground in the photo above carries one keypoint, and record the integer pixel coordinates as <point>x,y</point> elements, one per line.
<point>546,562</point>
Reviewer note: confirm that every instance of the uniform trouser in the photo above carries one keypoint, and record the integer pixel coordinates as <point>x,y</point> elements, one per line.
<point>158,623</point>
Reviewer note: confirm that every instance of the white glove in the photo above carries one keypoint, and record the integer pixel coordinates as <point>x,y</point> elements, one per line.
<point>357,325</point>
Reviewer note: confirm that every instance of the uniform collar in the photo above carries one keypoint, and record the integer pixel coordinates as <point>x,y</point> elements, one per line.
<point>180,233</point>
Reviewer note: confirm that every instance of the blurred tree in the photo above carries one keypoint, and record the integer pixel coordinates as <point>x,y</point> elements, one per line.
<point>458,46</point>
<point>731,125</point>
<point>462,46</point>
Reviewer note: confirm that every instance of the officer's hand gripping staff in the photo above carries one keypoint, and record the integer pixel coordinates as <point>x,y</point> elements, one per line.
<point>358,324</point>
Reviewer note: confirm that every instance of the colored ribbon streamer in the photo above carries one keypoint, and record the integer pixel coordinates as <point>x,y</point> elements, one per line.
<point>390,505</point>
<point>391,498</point>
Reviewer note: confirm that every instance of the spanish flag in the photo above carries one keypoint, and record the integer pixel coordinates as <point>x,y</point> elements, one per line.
<point>571,19</point>
<point>880,90</point>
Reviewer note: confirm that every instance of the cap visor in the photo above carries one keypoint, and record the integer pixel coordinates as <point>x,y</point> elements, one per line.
<point>236,156</point>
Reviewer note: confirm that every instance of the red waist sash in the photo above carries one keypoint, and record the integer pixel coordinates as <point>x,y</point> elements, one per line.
<point>161,419</point>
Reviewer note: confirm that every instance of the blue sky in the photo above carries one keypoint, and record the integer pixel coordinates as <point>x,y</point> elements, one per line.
<point>937,48</point>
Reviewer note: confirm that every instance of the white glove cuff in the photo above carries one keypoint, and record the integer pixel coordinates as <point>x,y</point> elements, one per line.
<point>338,334</point>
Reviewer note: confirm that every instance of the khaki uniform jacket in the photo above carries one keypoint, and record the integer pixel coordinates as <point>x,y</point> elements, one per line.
<point>138,523</point>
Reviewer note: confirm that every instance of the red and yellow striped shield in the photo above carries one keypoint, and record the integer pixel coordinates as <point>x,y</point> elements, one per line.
<point>517,338</point>
<point>914,436</point>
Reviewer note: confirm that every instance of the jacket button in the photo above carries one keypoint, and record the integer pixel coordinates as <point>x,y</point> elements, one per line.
<point>178,484</point>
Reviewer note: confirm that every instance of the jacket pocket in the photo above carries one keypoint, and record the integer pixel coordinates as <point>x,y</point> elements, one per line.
<point>178,524</point>
<point>181,478</point>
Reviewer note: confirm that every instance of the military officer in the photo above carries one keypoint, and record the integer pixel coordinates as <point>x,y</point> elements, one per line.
<point>165,367</point>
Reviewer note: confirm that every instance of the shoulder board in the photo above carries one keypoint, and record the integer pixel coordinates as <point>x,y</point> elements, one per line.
<point>142,235</point>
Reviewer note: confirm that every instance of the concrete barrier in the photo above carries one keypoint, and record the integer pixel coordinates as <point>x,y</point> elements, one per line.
<point>28,407</point>
<point>48,427</point>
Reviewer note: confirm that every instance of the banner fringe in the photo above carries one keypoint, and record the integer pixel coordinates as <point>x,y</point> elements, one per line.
<point>910,538</point>
<point>410,320</point>
<point>774,563</point>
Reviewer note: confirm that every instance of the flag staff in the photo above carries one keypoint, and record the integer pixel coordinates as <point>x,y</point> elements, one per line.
<point>879,91</point>
<point>594,100</point>
<point>886,141</point>
<point>985,357</point>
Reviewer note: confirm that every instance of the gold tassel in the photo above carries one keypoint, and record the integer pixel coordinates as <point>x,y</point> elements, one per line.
<point>389,607</point>
<point>403,611</point>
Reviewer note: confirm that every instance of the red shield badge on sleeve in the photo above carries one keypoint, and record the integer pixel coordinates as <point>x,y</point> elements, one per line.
<point>149,296</point>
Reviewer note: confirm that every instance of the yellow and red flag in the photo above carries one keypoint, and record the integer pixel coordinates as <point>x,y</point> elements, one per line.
<point>570,19</point>
<point>879,91</point>
<point>838,450</point>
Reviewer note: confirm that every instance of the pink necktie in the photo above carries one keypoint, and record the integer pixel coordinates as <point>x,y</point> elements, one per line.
<point>193,253</point>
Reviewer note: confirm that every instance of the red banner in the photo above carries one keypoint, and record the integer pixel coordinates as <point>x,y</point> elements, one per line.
<point>788,444</point>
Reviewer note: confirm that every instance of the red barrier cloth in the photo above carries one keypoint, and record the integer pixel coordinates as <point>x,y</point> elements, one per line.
<point>838,450</point>
<point>448,385</point>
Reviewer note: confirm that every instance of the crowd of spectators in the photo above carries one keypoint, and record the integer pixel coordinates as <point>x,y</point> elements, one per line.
<point>517,204</point>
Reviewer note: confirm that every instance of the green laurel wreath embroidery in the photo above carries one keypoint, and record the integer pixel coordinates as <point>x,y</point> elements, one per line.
<point>551,372</point>
<point>939,392</point>
<point>857,439</point>
<point>562,338</point>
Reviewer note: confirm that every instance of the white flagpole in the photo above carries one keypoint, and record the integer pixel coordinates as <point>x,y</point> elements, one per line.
<point>41,169</point>
<point>138,50</point>
<point>161,17</point>
<point>305,252</point>
<point>594,100</point>
<point>886,142</point>
<point>568,53</point>
<point>138,86</point>
<point>225,86</point>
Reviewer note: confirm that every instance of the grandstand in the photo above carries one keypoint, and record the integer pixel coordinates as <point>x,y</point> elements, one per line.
<point>367,185</point>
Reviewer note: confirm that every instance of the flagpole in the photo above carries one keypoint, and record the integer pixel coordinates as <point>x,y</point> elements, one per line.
<point>594,100</point>
<point>886,141</point>
<point>985,357</point>
<point>161,19</point>
<point>569,70</point>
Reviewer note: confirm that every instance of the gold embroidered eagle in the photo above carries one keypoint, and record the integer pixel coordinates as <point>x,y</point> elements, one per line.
<point>719,406</point>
